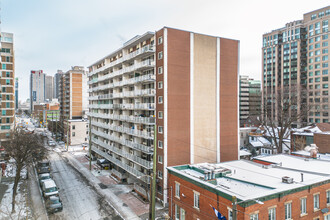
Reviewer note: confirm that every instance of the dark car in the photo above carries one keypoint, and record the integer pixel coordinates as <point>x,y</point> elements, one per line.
<point>53,204</point>
<point>103,163</point>
<point>43,167</point>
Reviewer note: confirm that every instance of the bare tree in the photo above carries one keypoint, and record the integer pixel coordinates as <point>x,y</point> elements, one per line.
<point>24,148</point>
<point>283,110</point>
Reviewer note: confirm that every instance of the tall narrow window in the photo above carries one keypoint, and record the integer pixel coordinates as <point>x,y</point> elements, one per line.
<point>177,189</point>
<point>272,213</point>
<point>328,197</point>
<point>196,200</point>
<point>288,213</point>
<point>303,209</point>
<point>316,198</point>
<point>160,55</point>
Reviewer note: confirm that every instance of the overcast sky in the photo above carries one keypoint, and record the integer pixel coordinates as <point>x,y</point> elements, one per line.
<point>57,34</point>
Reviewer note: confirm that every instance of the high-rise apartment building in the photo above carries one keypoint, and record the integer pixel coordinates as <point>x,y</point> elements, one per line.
<point>7,81</point>
<point>186,83</point>
<point>296,67</point>
<point>16,93</point>
<point>249,98</point>
<point>57,78</point>
<point>37,88</point>
<point>73,101</point>
<point>49,88</point>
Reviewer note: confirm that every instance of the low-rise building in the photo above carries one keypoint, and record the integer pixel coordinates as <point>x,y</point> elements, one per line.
<point>278,187</point>
<point>78,132</point>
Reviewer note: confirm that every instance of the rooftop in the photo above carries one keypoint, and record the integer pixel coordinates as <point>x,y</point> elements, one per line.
<point>250,181</point>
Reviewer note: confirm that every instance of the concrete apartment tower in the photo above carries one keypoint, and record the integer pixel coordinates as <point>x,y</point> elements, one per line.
<point>249,98</point>
<point>295,57</point>
<point>185,82</point>
<point>37,88</point>
<point>73,104</point>
<point>7,81</point>
<point>49,88</point>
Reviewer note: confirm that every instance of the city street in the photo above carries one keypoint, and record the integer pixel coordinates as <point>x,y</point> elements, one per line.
<point>80,201</point>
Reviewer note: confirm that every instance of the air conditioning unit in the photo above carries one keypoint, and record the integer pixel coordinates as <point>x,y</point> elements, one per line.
<point>286,179</point>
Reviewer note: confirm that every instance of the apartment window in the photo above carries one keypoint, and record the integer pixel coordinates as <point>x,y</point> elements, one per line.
<point>160,55</point>
<point>160,174</point>
<point>230,214</point>
<point>160,70</point>
<point>160,159</point>
<point>325,58</point>
<point>272,213</point>
<point>3,66</point>
<point>7,74</point>
<point>73,127</point>
<point>160,129</point>
<point>303,209</point>
<point>288,213</point>
<point>160,40</point>
<point>328,197</point>
<point>160,99</point>
<point>7,120</point>
<point>7,105</point>
<point>196,199</point>
<point>327,217</point>
<point>7,81</point>
<point>73,134</point>
<point>254,216</point>
<point>3,89</point>
<point>177,212</point>
<point>160,85</point>
<point>160,144</point>
<point>160,115</point>
<point>316,198</point>
<point>177,189</point>
<point>4,112</point>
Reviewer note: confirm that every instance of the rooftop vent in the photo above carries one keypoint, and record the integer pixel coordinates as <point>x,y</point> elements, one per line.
<point>286,179</point>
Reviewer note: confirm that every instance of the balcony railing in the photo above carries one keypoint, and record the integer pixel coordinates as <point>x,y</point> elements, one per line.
<point>145,49</point>
<point>122,165</point>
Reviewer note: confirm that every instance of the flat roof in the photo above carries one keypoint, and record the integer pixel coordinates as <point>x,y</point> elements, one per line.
<point>249,180</point>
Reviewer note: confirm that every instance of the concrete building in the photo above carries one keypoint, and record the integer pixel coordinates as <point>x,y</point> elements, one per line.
<point>73,99</point>
<point>249,99</point>
<point>78,131</point>
<point>296,66</point>
<point>49,88</point>
<point>7,81</point>
<point>273,187</point>
<point>57,78</point>
<point>16,94</point>
<point>185,82</point>
<point>37,88</point>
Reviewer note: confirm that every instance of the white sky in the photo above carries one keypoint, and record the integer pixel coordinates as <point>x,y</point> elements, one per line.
<point>58,34</point>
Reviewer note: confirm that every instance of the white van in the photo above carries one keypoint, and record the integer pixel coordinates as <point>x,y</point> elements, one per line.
<point>49,188</point>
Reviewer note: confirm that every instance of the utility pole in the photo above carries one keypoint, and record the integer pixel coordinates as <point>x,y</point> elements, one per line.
<point>154,177</point>
<point>90,143</point>
<point>67,134</point>
<point>234,200</point>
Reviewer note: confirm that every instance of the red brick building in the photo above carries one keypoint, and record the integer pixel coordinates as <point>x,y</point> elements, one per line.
<point>262,191</point>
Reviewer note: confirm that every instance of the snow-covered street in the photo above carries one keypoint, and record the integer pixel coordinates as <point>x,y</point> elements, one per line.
<point>80,201</point>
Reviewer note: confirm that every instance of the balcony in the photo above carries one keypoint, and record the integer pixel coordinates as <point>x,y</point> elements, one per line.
<point>119,163</point>
<point>144,50</point>
<point>122,141</point>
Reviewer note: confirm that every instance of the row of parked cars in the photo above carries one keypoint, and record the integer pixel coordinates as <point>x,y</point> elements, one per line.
<point>48,187</point>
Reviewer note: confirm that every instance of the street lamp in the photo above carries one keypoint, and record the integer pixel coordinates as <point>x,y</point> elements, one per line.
<point>234,199</point>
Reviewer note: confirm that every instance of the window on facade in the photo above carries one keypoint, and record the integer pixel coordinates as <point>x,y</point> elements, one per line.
<point>328,196</point>
<point>160,129</point>
<point>182,214</point>
<point>160,174</point>
<point>196,200</point>
<point>316,199</point>
<point>4,66</point>
<point>177,189</point>
<point>287,210</point>
<point>160,114</point>
<point>160,159</point>
<point>160,55</point>
<point>230,214</point>
<point>254,216</point>
<point>160,40</point>
<point>160,99</point>
<point>272,214</point>
<point>303,209</point>
<point>160,144</point>
<point>160,85</point>
<point>73,134</point>
<point>177,212</point>
<point>73,127</point>
<point>7,74</point>
<point>160,70</point>
<point>327,217</point>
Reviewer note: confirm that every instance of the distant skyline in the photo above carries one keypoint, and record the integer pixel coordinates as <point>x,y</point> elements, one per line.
<point>57,34</point>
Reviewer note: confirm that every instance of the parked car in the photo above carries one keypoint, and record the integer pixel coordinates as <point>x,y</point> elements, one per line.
<point>49,188</point>
<point>43,167</point>
<point>92,156</point>
<point>43,177</point>
<point>53,204</point>
<point>103,163</point>
<point>51,143</point>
